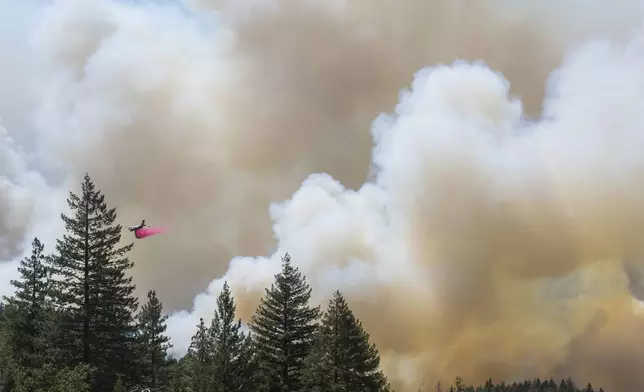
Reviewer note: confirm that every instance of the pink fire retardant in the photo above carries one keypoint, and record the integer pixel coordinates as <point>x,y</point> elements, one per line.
<point>148,231</point>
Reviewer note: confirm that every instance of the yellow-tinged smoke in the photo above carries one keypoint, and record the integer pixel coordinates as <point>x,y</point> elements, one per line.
<point>471,240</point>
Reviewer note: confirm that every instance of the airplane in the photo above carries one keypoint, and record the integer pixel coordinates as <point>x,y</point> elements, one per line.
<point>137,227</point>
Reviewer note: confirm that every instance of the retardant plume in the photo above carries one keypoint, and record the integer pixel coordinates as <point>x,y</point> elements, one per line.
<point>149,231</point>
<point>454,254</point>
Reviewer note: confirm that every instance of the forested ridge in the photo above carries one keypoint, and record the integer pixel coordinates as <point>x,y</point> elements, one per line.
<point>73,324</point>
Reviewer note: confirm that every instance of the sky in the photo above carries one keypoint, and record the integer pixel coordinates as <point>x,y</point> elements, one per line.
<point>468,175</point>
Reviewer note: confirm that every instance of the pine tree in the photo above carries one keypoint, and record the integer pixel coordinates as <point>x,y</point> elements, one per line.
<point>75,379</point>
<point>93,290</point>
<point>179,376</point>
<point>199,357</point>
<point>7,366</point>
<point>32,288</point>
<point>283,327</point>
<point>24,323</point>
<point>459,385</point>
<point>153,344</point>
<point>315,372</point>
<point>562,386</point>
<point>119,386</point>
<point>342,358</point>
<point>231,355</point>
<point>29,303</point>
<point>570,385</point>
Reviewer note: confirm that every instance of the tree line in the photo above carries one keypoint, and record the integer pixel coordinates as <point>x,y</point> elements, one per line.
<point>74,324</point>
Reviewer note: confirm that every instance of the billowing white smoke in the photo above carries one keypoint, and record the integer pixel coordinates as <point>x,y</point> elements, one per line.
<point>29,205</point>
<point>474,210</point>
<point>16,202</point>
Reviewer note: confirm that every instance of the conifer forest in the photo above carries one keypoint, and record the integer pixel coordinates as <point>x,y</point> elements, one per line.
<point>74,324</point>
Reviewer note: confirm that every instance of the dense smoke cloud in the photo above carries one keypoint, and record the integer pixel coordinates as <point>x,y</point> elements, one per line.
<point>28,206</point>
<point>484,245</point>
<point>199,123</point>
<point>28,203</point>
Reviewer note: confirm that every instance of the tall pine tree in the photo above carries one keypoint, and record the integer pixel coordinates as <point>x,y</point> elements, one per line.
<point>93,289</point>
<point>153,344</point>
<point>29,307</point>
<point>33,329</point>
<point>342,358</point>
<point>231,355</point>
<point>283,327</point>
<point>199,359</point>
<point>25,327</point>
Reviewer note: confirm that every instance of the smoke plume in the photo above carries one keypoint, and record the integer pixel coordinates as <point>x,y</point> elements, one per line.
<point>484,222</point>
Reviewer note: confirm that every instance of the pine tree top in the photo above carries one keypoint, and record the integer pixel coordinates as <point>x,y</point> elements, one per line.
<point>283,327</point>
<point>288,295</point>
<point>226,307</point>
<point>339,320</point>
<point>200,344</point>
<point>343,358</point>
<point>152,319</point>
<point>92,239</point>
<point>33,285</point>
<point>224,326</point>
